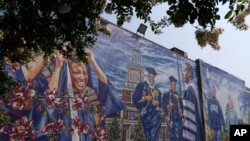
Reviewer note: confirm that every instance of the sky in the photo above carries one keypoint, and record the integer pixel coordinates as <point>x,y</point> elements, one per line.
<point>233,56</point>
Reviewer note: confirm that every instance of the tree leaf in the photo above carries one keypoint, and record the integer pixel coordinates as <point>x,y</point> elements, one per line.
<point>170,13</point>
<point>229,14</point>
<point>217,17</point>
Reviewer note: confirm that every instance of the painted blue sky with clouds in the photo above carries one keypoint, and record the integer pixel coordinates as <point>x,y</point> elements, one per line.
<point>232,57</point>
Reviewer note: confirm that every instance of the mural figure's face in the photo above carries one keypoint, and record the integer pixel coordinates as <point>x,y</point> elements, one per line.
<point>151,78</point>
<point>231,103</point>
<point>172,86</point>
<point>213,91</point>
<point>79,76</point>
<point>185,73</point>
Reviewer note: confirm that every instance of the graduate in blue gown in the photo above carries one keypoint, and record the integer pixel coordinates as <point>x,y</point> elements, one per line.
<point>85,117</point>
<point>192,127</point>
<point>173,110</point>
<point>147,99</point>
<point>31,82</point>
<point>66,108</point>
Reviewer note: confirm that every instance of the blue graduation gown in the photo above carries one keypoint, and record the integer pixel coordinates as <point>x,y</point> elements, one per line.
<point>192,128</point>
<point>106,96</point>
<point>175,119</point>
<point>151,119</point>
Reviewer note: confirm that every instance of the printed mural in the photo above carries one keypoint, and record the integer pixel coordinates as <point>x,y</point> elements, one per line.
<point>154,83</point>
<point>225,102</point>
<point>131,86</point>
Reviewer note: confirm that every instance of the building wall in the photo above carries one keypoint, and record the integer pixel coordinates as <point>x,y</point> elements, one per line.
<point>124,57</point>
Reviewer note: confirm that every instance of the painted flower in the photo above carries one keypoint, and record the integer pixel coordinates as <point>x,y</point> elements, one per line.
<point>51,98</point>
<point>19,101</point>
<point>62,105</point>
<point>56,126</point>
<point>77,103</point>
<point>22,98</point>
<point>76,122</point>
<point>71,131</point>
<point>101,116</point>
<point>83,128</point>
<point>20,129</point>
<point>101,133</point>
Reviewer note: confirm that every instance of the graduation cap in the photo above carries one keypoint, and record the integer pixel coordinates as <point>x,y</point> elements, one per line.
<point>151,70</point>
<point>172,79</point>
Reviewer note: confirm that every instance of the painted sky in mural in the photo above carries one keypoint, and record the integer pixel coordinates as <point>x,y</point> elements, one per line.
<point>117,51</point>
<point>226,85</point>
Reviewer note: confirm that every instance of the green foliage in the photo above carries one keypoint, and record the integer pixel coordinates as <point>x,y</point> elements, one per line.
<point>4,119</point>
<point>139,135</point>
<point>43,25</point>
<point>114,131</point>
<point>7,83</point>
<point>201,12</point>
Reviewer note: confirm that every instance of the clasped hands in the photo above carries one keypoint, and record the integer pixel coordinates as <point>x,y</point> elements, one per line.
<point>150,98</point>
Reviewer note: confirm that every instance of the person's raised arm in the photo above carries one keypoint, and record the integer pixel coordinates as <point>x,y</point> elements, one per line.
<point>91,58</point>
<point>32,69</point>
<point>54,81</point>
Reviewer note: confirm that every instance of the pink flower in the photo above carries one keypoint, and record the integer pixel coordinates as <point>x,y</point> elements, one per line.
<point>85,99</point>
<point>101,133</point>
<point>71,131</point>
<point>76,122</point>
<point>54,126</point>
<point>77,103</point>
<point>50,98</point>
<point>83,128</point>
<point>62,105</point>
<point>20,102</point>
<point>60,125</point>
<point>101,116</point>
<point>20,129</point>
<point>22,96</point>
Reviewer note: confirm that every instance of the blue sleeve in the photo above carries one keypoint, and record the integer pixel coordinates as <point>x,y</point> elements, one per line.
<point>109,98</point>
<point>165,100</point>
<point>137,97</point>
<point>18,74</point>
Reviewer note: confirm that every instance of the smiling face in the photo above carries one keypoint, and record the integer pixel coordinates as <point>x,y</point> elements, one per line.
<point>172,86</point>
<point>79,76</point>
<point>151,78</point>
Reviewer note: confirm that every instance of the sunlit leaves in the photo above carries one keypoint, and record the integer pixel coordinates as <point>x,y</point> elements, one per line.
<point>209,37</point>
<point>239,20</point>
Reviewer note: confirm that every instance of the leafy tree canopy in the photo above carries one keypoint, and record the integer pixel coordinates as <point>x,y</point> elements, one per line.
<point>28,27</point>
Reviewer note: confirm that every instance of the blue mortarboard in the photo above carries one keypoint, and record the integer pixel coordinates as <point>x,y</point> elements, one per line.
<point>172,79</point>
<point>152,71</point>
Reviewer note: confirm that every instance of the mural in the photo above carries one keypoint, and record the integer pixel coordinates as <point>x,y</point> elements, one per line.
<point>154,83</point>
<point>131,86</point>
<point>56,101</point>
<point>225,102</point>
